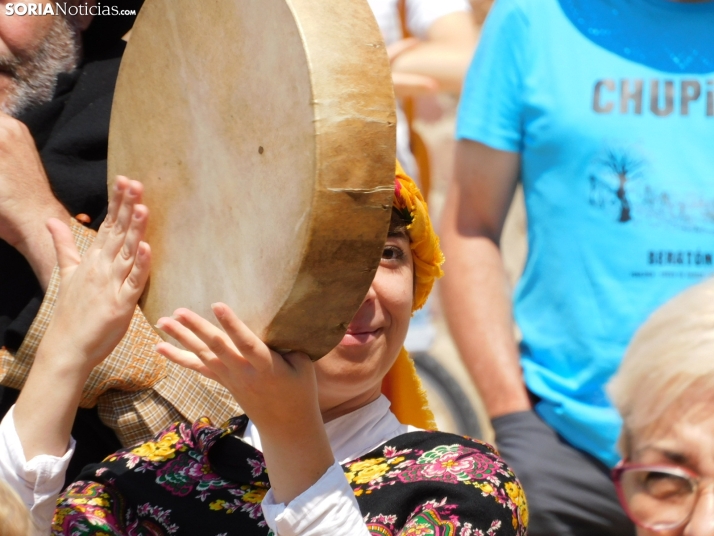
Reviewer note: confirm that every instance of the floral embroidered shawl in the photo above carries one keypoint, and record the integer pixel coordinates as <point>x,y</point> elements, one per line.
<point>204,480</point>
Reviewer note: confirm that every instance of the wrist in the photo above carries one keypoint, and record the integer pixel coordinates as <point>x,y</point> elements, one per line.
<point>289,480</point>
<point>34,242</point>
<point>301,430</point>
<point>62,361</point>
<point>517,402</point>
<point>32,230</point>
<point>302,437</point>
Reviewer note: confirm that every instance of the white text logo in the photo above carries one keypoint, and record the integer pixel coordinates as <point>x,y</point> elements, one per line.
<point>24,8</point>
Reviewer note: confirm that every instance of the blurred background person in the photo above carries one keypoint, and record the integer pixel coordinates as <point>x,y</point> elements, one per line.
<point>664,391</point>
<point>481,9</point>
<point>430,44</point>
<point>604,110</point>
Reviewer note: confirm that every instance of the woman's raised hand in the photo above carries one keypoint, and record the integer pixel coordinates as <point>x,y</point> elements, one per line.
<point>267,385</point>
<point>99,292</point>
<point>97,297</point>
<point>278,393</point>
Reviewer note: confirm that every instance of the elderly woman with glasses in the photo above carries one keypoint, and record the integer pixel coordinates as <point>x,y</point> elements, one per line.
<point>665,394</point>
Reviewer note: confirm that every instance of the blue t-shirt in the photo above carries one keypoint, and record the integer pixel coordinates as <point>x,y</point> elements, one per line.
<point>611,105</point>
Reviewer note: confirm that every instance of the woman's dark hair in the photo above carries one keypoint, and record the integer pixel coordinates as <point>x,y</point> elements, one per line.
<point>398,224</point>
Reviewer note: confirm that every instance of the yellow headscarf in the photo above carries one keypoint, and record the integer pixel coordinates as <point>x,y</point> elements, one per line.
<point>402,385</point>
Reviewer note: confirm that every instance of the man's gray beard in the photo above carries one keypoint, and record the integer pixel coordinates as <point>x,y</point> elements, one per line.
<point>35,76</point>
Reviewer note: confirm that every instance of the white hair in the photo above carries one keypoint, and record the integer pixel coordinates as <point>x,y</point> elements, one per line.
<point>35,75</point>
<point>669,361</point>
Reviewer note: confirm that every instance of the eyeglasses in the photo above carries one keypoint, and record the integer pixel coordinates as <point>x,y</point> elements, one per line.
<point>656,497</point>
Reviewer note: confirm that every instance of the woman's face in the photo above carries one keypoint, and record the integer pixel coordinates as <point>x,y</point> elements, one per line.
<point>350,376</point>
<point>684,438</point>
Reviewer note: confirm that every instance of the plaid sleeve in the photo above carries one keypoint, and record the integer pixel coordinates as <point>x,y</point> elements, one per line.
<point>138,391</point>
<point>181,396</point>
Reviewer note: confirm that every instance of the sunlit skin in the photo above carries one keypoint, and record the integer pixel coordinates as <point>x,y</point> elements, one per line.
<point>350,376</point>
<point>684,437</point>
<point>20,37</point>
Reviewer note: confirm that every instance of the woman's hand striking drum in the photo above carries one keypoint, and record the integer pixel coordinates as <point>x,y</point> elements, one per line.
<point>267,385</point>
<point>278,392</point>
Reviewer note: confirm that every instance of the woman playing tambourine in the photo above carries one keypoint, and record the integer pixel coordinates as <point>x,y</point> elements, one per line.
<point>318,451</point>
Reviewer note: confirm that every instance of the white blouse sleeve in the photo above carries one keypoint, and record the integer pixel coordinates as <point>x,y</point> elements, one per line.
<point>39,481</point>
<point>327,508</point>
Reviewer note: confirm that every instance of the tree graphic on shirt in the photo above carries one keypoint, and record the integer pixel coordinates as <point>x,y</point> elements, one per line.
<point>620,170</point>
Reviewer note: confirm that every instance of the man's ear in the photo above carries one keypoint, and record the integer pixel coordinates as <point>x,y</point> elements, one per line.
<point>83,19</point>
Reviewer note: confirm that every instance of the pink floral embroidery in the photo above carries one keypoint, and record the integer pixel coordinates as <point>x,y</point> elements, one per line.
<point>449,463</point>
<point>257,467</point>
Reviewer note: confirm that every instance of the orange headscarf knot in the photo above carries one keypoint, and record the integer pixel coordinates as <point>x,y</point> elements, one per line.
<point>402,385</point>
<point>427,254</point>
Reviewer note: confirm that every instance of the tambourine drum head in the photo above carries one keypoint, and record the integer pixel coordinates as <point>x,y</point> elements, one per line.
<point>263,131</point>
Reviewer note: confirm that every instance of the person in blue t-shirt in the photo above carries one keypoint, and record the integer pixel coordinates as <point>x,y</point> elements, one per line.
<point>604,110</point>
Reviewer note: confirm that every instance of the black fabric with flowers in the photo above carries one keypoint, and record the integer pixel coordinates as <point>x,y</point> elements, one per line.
<point>204,480</point>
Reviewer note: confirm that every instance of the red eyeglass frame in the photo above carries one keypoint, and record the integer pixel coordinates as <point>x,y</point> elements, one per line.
<point>625,466</point>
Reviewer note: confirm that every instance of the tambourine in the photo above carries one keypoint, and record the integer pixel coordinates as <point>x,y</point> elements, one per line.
<point>264,134</point>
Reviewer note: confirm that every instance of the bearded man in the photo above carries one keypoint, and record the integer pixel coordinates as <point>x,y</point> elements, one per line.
<point>57,77</point>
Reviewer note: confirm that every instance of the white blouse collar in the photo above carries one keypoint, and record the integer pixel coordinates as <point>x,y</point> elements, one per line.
<point>354,434</point>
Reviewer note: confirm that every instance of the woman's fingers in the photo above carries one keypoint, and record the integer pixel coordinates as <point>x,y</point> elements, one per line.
<point>183,335</point>
<point>175,328</point>
<point>214,338</point>
<point>126,259</point>
<point>248,344</point>
<point>115,199</point>
<point>185,359</point>
<point>67,255</point>
<point>299,361</point>
<point>120,227</point>
<point>398,48</point>
<point>136,280</point>
<point>414,85</point>
<point>120,186</point>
